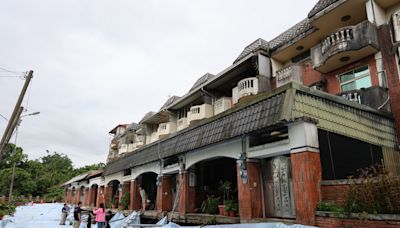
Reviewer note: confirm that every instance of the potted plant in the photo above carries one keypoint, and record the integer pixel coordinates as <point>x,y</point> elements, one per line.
<point>225,187</point>
<point>234,210</point>
<point>210,205</point>
<point>228,206</point>
<point>125,200</point>
<point>114,203</point>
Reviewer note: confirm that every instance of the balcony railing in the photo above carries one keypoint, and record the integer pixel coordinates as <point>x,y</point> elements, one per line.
<point>375,97</point>
<point>344,46</point>
<point>288,74</point>
<point>182,123</point>
<point>199,112</point>
<point>222,104</point>
<point>247,86</point>
<point>166,128</point>
<point>126,148</point>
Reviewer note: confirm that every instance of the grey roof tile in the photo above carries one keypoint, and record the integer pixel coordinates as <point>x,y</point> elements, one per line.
<point>258,44</point>
<point>169,101</point>
<point>293,32</point>
<point>149,114</point>
<point>203,79</point>
<point>321,5</point>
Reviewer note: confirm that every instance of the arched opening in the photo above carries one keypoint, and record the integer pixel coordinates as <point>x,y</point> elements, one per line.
<point>215,183</point>
<point>82,194</point>
<point>112,194</point>
<point>93,195</point>
<point>148,182</point>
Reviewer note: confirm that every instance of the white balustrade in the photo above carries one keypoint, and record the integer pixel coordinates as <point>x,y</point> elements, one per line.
<point>222,104</point>
<point>182,123</point>
<point>199,112</point>
<point>342,35</point>
<point>247,86</point>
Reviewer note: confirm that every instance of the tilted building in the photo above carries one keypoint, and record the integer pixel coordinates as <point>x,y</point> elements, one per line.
<point>287,120</point>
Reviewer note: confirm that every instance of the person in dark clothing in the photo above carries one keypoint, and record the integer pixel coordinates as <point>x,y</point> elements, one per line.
<point>108,218</point>
<point>77,215</point>
<point>64,214</point>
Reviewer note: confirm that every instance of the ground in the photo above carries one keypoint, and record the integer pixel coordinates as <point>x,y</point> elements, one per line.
<point>38,216</point>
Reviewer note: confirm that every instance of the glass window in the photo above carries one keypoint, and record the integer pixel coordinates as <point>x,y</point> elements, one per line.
<point>355,79</point>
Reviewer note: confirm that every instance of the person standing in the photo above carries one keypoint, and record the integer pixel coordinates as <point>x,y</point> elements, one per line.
<point>64,214</point>
<point>77,215</point>
<point>143,195</point>
<point>100,216</point>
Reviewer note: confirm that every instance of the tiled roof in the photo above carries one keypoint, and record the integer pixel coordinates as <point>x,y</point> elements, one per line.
<point>169,101</point>
<point>149,114</point>
<point>203,79</point>
<point>258,44</point>
<point>287,104</point>
<point>321,5</point>
<point>133,126</point>
<point>293,32</point>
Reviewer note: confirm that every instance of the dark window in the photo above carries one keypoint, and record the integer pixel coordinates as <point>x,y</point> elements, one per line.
<point>341,156</point>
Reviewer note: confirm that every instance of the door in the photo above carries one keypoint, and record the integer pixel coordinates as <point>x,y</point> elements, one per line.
<point>279,188</point>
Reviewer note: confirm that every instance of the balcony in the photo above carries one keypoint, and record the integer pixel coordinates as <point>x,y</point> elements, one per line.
<point>166,128</point>
<point>375,97</point>
<point>344,46</point>
<point>154,136</point>
<point>222,104</point>
<point>126,148</point>
<point>199,112</point>
<point>288,74</point>
<point>245,87</point>
<point>182,123</point>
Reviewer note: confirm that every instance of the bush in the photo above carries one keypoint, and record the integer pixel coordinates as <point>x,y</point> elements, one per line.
<point>329,206</point>
<point>210,205</point>
<point>377,192</point>
<point>7,209</point>
<point>125,200</point>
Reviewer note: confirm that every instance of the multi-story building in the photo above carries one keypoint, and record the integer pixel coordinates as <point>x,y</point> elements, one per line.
<point>282,124</point>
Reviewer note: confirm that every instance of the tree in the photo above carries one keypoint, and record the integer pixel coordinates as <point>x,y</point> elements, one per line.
<point>9,157</point>
<point>23,183</point>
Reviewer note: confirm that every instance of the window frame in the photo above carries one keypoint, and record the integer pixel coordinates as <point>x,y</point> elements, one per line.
<point>355,78</point>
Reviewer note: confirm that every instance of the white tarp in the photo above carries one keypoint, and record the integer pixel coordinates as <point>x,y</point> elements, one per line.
<point>48,216</point>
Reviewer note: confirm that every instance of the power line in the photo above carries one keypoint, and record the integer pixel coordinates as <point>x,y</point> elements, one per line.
<point>4,117</point>
<point>10,71</point>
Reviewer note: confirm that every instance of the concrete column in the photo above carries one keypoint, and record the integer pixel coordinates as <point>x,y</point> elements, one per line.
<point>164,194</point>
<point>249,191</point>
<point>187,198</point>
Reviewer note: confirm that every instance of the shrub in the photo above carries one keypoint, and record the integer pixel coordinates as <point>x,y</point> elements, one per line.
<point>329,206</point>
<point>377,192</point>
<point>125,200</point>
<point>7,209</point>
<point>210,205</point>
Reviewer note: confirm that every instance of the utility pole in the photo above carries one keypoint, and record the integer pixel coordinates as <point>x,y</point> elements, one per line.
<point>14,163</point>
<point>14,117</point>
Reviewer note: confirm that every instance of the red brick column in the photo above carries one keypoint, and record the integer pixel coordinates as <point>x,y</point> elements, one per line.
<point>68,198</point>
<point>306,175</point>
<point>164,194</point>
<point>249,193</point>
<point>135,196</point>
<point>86,197</point>
<point>77,196</point>
<point>101,196</point>
<point>187,198</point>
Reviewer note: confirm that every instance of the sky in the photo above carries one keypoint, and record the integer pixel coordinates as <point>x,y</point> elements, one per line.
<point>100,63</point>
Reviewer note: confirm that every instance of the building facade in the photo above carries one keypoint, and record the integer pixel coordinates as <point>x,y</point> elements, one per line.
<point>290,115</point>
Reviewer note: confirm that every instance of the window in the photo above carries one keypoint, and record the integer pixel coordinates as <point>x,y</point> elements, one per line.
<point>355,79</point>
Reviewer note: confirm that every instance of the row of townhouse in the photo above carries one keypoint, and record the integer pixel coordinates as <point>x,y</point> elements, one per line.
<point>284,124</point>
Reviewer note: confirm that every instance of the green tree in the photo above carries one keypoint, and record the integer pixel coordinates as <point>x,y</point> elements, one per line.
<point>23,183</point>
<point>9,157</point>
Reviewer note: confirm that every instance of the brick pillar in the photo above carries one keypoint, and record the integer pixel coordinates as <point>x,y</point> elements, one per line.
<point>164,194</point>
<point>85,197</point>
<point>92,196</point>
<point>135,196</point>
<point>306,176</point>
<point>77,195</point>
<point>108,196</point>
<point>101,196</point>
<point>187,198</point>
<point>249,193</point>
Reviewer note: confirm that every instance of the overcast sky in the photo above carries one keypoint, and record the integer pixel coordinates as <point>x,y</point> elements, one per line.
<point>101,63</point>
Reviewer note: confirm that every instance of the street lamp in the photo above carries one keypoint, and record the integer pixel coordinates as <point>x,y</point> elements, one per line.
<point>14,152</point>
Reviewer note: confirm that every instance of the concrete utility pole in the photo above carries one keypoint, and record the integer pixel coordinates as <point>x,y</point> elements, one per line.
<point>14,117</point>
